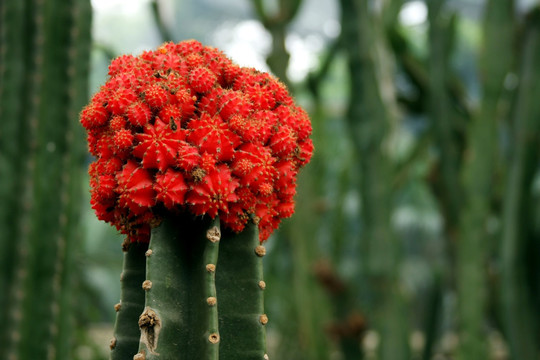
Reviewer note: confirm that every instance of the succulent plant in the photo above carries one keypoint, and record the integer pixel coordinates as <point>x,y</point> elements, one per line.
<point>189,144</point>
<point>184,128</point>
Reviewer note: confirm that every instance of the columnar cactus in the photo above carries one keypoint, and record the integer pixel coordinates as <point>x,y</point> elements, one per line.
<point>44,63</point>
<point>188,146</point>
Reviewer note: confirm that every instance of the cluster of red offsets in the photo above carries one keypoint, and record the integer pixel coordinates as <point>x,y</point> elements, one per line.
<point>183,128</point>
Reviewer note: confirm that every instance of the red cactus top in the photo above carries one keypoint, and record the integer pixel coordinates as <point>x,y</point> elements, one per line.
<point>183,128</point>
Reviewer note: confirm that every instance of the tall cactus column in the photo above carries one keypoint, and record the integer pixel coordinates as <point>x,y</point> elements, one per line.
<point>370,117</point>
<point>189,146</point>
<point>44,52</point>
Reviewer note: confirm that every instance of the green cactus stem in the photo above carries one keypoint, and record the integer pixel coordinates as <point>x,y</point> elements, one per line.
<point>520,324</point>
<point>43,82</point>
<point>78,68</point>
<point>12,69</point>
<point>126,329</point>
<point>240,287</point>
<point>370,117</point>
<point>478,174</point>
<point>180,316</point>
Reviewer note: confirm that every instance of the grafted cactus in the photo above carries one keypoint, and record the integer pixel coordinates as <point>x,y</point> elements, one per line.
<point>188,146</point>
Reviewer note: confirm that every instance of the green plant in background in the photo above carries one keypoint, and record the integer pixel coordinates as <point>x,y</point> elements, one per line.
<point>466,111</point>
<point>196,157</point>
<point>477,178</point>
<point>371,116</point>
<point>44,61</point>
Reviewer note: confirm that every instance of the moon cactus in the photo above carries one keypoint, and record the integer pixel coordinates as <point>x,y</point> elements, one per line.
<point>183,128</point>
<point>190,146</point>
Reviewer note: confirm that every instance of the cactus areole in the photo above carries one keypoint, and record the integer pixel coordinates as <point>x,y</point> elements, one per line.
<point>184,129</point>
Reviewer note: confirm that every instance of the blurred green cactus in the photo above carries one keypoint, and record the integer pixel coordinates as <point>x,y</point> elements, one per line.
<point>44,61</point>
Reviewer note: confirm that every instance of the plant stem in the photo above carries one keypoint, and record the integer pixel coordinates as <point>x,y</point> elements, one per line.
<point>478,173</point>
<point>126,329</point>
<point>370,118</point>
<point>240,288</point>
<point>519,321</point>
<point>180,316</point>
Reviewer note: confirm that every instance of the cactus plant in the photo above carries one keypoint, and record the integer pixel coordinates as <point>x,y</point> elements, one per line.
<point>44,58</point>
<point>126,332</point>
<point>189,145</point>
<point>370,117</point>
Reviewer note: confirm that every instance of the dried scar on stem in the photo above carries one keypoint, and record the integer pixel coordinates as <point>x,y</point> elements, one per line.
<point>150,325</point>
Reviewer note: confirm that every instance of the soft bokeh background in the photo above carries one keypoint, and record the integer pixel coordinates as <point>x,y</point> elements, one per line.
<point>416,233</point>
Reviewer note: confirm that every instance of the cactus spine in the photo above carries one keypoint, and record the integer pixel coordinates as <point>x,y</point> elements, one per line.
<point>43,82</point>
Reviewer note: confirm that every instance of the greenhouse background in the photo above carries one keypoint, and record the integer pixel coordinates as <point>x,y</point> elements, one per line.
<point>416,233</point>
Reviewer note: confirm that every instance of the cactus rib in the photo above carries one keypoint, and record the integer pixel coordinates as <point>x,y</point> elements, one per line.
<point>126,330</point>
<point>240,287</point>
<point>12,28</point>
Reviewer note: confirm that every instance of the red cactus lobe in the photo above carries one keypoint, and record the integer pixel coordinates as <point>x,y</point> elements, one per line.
<point>186,102</point>
<point>195,60</point>
<point>105,146</point>
<point>209,102</point>
<point>112,166</point>
<point>182,128</point>
<point>170,188</point>
<point>234,103</point>
<point>172,114</point>
<point>208,163</point>
<point>138,114</point>
<point>229,75</point>
<point>123,139</point>
<point>135,186</point>
<point>156,96</point>
<point>214,193</point>
<point>103,210</point>
<point>202,79</point>
<point>261,97</point>
<point>283,142</point>
<point>254,165</point>
<point>94,115</point>
<point>266,189</point>
<point>117,123</point>
<point>188,157</point>
<point>104,187</point>
<point>170,62</point>
<point>188,47</point>
<point>213,136</point>
<point>305,152</point>
<point>297,119</point>
<point>122,64</point>
<point>120,99</point>
<point>158,145</point>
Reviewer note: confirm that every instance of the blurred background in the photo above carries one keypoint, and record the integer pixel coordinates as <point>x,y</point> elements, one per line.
<point>417,228</point>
